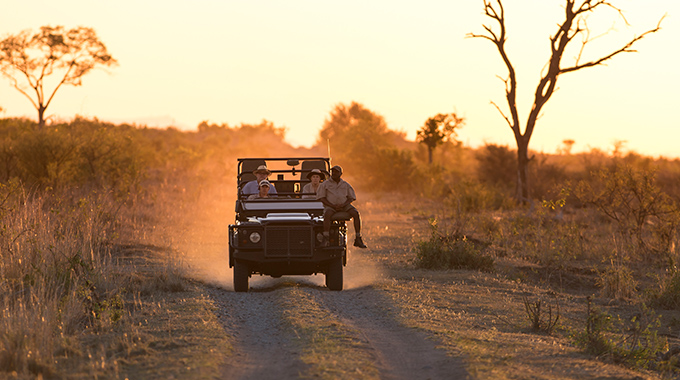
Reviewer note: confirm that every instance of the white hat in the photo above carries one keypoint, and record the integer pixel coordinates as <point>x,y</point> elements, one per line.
<point>262,169</point>
<point>264,182</point>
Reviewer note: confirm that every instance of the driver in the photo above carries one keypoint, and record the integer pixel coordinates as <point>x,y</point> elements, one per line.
<point>261,174</point>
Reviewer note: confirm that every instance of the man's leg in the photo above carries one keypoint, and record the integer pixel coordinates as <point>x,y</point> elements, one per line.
<point>327,220</point>
<point>356,218</point>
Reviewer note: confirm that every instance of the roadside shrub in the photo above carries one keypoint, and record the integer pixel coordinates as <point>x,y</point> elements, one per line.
<point>634,342</point>
<point>541,320</point>
<point>668,295</point>
<point>543,236</point>
<point>470,196</point>
<point>617,281</point>
<point>643,213</point>
<point>450,251</point>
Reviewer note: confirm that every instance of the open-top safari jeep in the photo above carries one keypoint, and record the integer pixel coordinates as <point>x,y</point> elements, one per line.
<point>283,235</point>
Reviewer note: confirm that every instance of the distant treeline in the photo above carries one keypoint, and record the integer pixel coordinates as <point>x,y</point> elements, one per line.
<point>125,158</point>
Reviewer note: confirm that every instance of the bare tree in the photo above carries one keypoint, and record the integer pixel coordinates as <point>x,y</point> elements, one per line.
<point>28,59</point>
<point>437,129</point>
<point>573,26</point>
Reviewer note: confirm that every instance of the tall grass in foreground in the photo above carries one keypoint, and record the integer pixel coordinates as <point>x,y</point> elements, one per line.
<point>55,276</point>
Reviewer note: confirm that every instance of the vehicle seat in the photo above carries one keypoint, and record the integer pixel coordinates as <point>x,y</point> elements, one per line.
<point>284,188</point>
<point>341,215</point>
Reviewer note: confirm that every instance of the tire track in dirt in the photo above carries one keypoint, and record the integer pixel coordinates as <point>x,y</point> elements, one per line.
<point>265,349</point>
<point>400,352</point>
<point>263,346</point>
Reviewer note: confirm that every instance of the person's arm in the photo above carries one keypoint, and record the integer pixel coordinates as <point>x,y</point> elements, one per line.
<point>351,196</point>
<point>347,202</point>
<point>326,202</point>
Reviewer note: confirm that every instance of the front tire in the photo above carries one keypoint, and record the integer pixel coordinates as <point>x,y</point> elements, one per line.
<point>241,273</point>
<point>334,274</point>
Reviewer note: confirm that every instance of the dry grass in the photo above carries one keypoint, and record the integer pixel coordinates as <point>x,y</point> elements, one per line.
<point>483,315</point>
<point>74,303</point>
<point>83,296</point>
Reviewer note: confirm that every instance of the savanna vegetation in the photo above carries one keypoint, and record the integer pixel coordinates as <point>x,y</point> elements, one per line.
<point>89,210</point>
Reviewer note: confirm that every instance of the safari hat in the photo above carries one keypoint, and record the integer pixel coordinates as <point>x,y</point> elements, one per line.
<point>320,173</point>
<point>264,182</point>
<point>338,168</point>
<point>262,169</point>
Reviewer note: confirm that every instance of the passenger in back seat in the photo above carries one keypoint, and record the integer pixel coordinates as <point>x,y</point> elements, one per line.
<point>263,189</point>
<point>315,175</point>
<point>252,187</point>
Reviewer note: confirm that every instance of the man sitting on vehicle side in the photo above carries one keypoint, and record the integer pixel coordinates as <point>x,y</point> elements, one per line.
<point>261,174</point>
<point>263,190</point>
<point>337,195</point>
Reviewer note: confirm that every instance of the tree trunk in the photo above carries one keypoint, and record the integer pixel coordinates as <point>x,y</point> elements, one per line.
<point>41,117</point>
<point>429,154</point>
<point>523,170</point>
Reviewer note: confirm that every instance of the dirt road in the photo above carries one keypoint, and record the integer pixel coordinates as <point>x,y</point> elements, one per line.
<point>294,327</point>
<point>267,347</point>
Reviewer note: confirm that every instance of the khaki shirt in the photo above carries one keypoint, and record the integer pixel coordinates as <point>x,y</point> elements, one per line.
<point>336,193</point>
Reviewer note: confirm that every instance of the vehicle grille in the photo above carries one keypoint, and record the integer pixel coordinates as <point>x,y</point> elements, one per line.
<point>288,241</point>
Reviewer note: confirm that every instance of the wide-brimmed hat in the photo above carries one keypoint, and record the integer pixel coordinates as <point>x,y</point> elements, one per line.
<point>320,173</point>
<point>262,169</point>
<point>264,182</point>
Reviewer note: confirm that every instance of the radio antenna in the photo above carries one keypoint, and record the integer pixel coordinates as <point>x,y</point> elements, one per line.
<point>328,144</point>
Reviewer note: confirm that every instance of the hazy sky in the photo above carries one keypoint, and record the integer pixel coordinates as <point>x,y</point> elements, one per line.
<point>291,62</point>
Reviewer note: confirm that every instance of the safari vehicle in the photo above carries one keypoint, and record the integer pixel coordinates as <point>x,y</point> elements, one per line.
<point>283,235</point>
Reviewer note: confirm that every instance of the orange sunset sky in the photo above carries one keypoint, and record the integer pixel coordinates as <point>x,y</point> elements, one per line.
<point>291,62</point>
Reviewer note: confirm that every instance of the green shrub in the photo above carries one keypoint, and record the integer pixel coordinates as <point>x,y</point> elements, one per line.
<point>450,251</point>
<point>634,342</point>
<point>617,281</point>
<point>668,296</point>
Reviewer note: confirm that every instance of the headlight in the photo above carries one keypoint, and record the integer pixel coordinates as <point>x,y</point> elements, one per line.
<point>255,237</point>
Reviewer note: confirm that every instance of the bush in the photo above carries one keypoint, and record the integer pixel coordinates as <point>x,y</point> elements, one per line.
<point>470,196</point>
<point>497,166</point>
<point>631,198</point>
<point>617,281</point>
<point>668,296</point>
<point>450,251</point>
<point>634,342</point>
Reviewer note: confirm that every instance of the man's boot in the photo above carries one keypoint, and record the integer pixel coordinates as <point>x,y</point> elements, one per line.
<point>359,243</point>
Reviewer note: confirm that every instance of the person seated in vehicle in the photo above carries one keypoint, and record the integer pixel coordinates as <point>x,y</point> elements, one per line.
<point>337,195</point>
<point>263,190</point>
<point>316,176</point>
<point>261,174</point>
